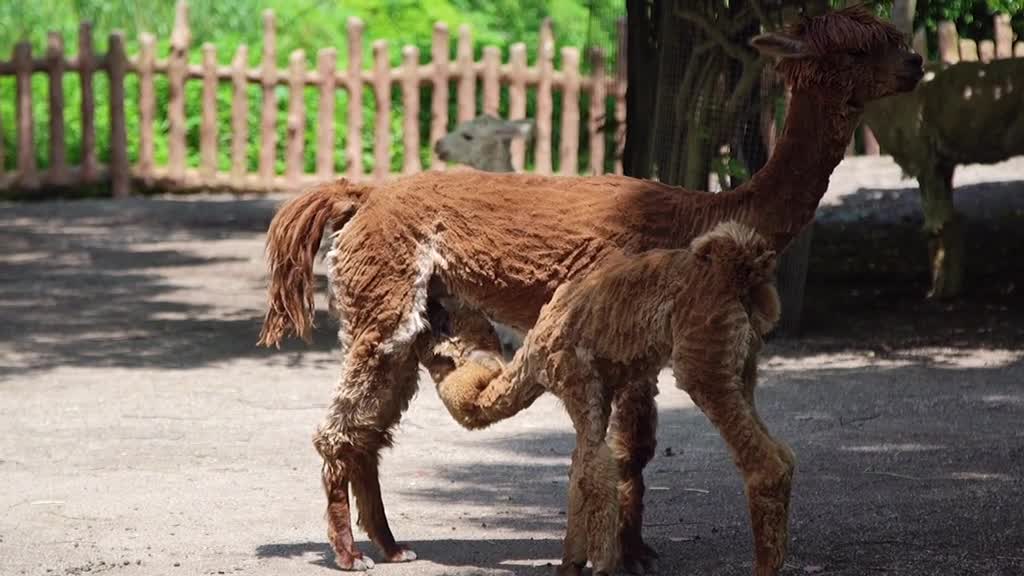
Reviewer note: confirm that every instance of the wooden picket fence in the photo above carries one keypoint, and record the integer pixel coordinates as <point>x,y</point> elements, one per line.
<point>517,75</point>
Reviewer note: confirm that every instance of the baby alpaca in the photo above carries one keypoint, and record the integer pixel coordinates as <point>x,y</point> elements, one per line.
<point>607,335</point>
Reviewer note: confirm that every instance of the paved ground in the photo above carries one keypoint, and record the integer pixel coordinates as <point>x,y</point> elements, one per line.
<point>141,432</point>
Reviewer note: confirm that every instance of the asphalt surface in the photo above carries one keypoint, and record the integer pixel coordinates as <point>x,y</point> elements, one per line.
<point>142,432</point>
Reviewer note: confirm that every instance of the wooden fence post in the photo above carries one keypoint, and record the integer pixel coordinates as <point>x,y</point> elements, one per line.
<point>117,66</point>
<point>968,50</point>
<point>621,63</point>
<point>27,176</point>
<point>177,67</point>
<point>1003,36</point>
<point>327,61</point>
<point>355,98</point>
<point>492,80</point>
<point>517,100</point>
<point>411,103</point>
<point>439,104</point>
<point>268,116</point>
<point>567,157</point>
<point>987,51</point>
<point>239,116</point>
<point>382,114</point>
<point>545,68</point>
<point>598,95</point>
<point>55,70</point>
<point>948,44</point>
<point>296,124</point>
<point>147,105</point>
<point>208,126</point>
<point>86,68</point>
<point>467,77</point>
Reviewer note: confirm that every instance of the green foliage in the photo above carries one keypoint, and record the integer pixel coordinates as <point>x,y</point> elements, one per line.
<point>307,25</point>
<point>973,18</point>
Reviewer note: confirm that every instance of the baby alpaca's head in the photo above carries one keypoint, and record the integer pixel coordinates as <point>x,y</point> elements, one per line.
<point>483,143</point>
<point>742,260</point>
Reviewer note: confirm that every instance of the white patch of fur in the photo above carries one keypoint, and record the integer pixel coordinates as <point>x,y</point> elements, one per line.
<point>415,321</point>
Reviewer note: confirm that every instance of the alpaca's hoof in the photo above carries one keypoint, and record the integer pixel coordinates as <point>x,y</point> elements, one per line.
<point>354,562</point>
<point>570,569</point>
<point>403,555</point>
<point>640,559</point>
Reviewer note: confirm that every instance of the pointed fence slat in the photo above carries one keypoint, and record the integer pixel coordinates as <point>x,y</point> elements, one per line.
<point>296,126</point>
<point>1003,33</point>
<point>268,116</point>
<point>986,51</point>
<point>147,105</point>
<point>545,65</point>
<point>55,65</point>
<point>621,62</point>
<point>26,144</point>
<point>208,125</point>
<point>239,116</point>
<point>327,62</point>
<point>439,103</point>
<point>411,103</point>
<point>948,43</point>
<point>382,124</point>
<point>176,71</point>
<point>598,93</point>
<point>968,50</point>
<point>86,68</point>
<point>517,100</point>
<point>355,98</point>
<point>467,77</point>
<point>492,80</point>
<point>567,156</point>
<point>117,67</point>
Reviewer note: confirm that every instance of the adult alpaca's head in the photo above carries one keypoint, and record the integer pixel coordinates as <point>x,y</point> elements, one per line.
<point>483,143</point>
<point>850,54</point>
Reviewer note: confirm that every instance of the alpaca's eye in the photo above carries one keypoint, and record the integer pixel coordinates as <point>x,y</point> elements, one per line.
<point>467,137</point>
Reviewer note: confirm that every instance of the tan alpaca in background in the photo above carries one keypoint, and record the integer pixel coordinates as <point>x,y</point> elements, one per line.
<point>499,245</point>
<point>608,335</point>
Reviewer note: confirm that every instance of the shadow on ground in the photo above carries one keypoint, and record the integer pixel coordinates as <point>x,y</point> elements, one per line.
<point>107,284</point>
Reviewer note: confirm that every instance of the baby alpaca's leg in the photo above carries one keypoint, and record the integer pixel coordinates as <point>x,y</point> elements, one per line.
<point>593,485</point>
<point>707,372</point>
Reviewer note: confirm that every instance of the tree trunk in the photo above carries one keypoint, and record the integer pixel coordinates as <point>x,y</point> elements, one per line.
<point>945,230</point>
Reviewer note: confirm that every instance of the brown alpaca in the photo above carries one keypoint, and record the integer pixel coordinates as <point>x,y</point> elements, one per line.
<point>500,244</point>
<point>605,337</point>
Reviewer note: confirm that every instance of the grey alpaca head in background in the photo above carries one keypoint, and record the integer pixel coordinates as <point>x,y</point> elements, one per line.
<point>483,143</point>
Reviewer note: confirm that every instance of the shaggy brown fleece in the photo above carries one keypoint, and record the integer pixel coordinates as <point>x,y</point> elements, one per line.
<point>500,244</point>
<point>706,310</point>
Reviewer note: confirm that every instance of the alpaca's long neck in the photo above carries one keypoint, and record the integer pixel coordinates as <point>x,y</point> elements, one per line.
<point>780,199</point>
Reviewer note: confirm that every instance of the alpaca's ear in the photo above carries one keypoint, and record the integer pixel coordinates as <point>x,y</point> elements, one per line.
<point>780,45</point>
<point>514,129</point>
<point>702,249</point>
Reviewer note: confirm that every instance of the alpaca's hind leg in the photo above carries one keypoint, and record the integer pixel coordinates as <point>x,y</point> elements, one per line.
<point>766,464</point>
<point>633,441</point>
<point>369,401</point>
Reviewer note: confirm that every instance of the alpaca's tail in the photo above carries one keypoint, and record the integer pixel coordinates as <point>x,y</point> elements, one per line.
<point>747,261</point>
<point>292,242</point>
